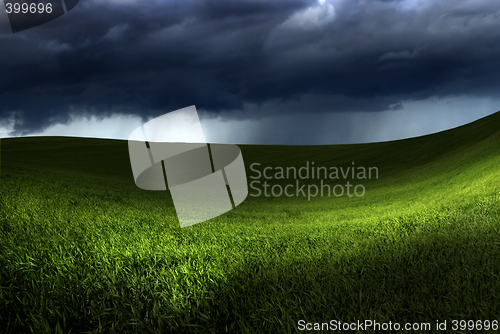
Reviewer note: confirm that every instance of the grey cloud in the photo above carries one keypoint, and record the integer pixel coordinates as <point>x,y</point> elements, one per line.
<point>117,32</point>
<point>150,57</point>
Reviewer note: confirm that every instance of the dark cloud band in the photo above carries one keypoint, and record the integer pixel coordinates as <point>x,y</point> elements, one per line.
<point>148,57</point>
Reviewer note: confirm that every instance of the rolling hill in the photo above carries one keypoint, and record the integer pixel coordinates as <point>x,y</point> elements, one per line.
<point>82,249</point>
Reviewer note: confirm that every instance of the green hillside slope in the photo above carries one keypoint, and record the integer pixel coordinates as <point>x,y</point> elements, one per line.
<point>82,249</point>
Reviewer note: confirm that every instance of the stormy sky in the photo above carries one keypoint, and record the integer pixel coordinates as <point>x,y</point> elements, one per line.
<point>258,71</point>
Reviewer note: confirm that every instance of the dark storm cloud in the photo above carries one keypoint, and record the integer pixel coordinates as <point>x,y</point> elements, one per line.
<point>150,57</point>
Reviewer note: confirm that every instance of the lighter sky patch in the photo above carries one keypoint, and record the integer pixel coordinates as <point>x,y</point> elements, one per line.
<point>117,126</point>
<point>118,2</point>
<point>312,17</point>
<point>181,125</point>
<point>412,5</point>
<point>416,118</point>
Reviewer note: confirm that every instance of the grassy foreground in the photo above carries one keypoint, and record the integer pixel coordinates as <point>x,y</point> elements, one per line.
<point>83,250</point>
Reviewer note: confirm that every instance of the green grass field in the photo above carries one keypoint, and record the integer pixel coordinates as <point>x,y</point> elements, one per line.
<point>83,250</point>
